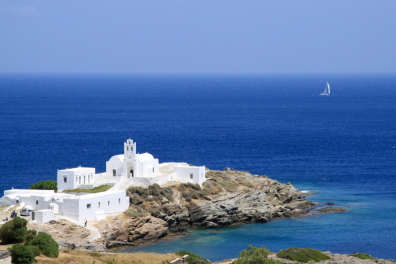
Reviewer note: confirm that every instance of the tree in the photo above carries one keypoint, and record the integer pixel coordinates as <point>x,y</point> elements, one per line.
<point>14,231</point>
<point>45,185</point>
<point>21,254</point>
<point>47,245</point>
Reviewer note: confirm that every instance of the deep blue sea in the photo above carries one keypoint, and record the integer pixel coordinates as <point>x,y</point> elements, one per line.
<point>342,146</point>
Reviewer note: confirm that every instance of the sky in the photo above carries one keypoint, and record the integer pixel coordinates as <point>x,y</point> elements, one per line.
<point>201,36</point>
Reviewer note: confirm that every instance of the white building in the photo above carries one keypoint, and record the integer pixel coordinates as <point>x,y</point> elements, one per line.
<point>143,169</point>
<point>80,177</point>
<point>121,171</point>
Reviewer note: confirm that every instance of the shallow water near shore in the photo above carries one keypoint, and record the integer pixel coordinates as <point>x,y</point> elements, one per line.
<point>341,146</point>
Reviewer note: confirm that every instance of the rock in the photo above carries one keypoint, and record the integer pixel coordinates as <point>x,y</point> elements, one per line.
<point>328,209</point>
<point>329,203</point>
<point>135,231</point>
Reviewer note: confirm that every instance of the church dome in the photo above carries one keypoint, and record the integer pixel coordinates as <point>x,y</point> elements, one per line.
<point>145,157</point>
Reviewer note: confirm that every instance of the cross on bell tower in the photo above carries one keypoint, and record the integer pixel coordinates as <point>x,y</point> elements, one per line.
<point>129,149</point>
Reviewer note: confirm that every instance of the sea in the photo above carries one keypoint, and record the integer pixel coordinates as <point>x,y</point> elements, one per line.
<point>341,147</point>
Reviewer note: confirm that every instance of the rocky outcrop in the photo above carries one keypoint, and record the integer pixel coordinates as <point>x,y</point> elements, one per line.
<point>69,235</point>
<point>124,230</point>
<point>329,209</point>
<point>264,200</point>
<point>227,198</point>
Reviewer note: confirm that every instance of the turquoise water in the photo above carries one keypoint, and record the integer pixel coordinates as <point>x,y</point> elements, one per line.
<point>337,232</point>
<point>342,146</point>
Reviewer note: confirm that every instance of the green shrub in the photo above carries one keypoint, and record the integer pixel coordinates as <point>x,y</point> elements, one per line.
<point>35,250</point>
<point>13,231</point>
<point>48,246</point>
<point>137,190</point>
<point>253,255</point>
<point>95,254</point>
<point>136,212</point>
<point>302,254</point>
<point>30,234</point>
<point>169,197</point>
<point>193,258</point>
<point>45,185</point>
<point>21,254</point>
<point>362,256</point>
<point>155,190</point>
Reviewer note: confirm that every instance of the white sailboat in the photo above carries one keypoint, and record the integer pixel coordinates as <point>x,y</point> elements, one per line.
<point>327,90</point>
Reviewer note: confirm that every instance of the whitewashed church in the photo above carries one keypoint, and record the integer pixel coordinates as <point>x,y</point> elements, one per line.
<point>122,171</point>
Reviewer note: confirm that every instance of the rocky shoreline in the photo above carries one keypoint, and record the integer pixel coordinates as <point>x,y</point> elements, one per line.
<point>227,198</point>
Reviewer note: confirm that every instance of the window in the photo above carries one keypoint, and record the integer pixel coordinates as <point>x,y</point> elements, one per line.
<point>98,205</point>
<point>64,179</point>
<point>79,180</point>
<point>36,201</point>
<point>76,179</point>
<point>119,201</point>
<point>89,179</point>
<point>108,203</point>
<point>127,148</point>
<point>201,175</point>
<point>153,170</point>
<point>88,206</point>
<point>114,172</point>
<point>191,176</point>
<point>17,201</point>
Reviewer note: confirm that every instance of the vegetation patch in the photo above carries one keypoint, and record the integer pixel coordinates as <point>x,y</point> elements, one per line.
<point>45,185</point>
<point>193,258</point>
<point>14,231</point>
<point>21,254</point>
<point>101,188</point>
<point>302,254</point>
<point>136,211</point>
<point>47,245</point>
<point>362,256</point>
<point>253,255</point>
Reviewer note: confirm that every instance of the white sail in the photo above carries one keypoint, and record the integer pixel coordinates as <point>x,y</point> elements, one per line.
<point>326,90</point>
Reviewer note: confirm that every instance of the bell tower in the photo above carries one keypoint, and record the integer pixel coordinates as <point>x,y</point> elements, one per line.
<point>129,149</point>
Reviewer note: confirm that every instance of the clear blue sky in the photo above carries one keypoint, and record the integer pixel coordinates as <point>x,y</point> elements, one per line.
<point>216,36</point>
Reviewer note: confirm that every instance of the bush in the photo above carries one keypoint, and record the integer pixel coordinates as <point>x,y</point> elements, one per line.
<point>253,255</point>
<point>362,256</point>
<point>48,246</point>
<point>302,254</point>
<point>35,250</point>
<point>155,190</point>
<point>30,234</point>
<point>13,231</point>
<point>21,254</point>
<point>45,185</point>
<point>193,258</point>
<point>137,190</point>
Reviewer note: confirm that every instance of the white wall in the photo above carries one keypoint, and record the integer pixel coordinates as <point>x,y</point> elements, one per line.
<point>27,192</point>
<point>184,172</point>
<point>145,181</point>
<point>43,216</point>
<point>116,163</point>
<point>110,203</point>
<point>146,168</point>
<point>75,177</point>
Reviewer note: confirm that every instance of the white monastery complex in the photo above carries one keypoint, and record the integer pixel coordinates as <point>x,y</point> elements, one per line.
<point>122,171</point>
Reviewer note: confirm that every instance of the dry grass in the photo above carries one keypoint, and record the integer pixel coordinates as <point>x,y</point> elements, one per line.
<point>85,257</point>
